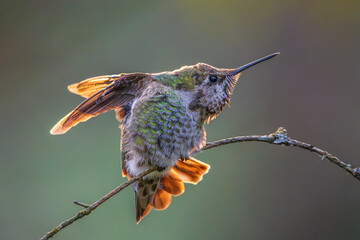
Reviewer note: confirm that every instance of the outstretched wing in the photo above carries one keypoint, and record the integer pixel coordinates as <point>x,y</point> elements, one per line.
<point>119,91</point>
<point>90,86</point>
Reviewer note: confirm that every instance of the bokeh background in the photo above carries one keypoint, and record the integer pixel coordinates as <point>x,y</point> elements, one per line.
<point>253,190</point>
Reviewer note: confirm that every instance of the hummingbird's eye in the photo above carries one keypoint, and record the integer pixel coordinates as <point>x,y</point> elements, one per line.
<point>213,78</point>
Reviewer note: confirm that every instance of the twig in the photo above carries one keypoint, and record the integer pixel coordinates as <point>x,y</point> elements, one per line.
<point>278,138</point>
<point>88,209</point>
<point>82,204</point>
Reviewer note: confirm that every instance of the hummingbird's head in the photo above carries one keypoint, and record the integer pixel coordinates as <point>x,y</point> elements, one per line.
<point>214,87</point>
<point>212,93</point>
<point>209,87</point>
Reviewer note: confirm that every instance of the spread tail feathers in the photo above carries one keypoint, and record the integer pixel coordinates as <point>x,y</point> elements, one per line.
<point>157,192</point>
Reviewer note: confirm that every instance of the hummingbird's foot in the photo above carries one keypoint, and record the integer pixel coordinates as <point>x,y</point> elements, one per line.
<point>160,169</point>
<point>184,158</point>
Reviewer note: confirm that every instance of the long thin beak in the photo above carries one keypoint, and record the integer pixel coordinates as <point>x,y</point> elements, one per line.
<point>246,66</point>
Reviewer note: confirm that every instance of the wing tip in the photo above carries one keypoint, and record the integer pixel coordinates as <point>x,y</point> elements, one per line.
<point>58,129</point>
<point>73,88</point>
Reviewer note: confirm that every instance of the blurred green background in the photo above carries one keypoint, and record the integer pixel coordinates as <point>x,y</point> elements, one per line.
<point>253,190</point>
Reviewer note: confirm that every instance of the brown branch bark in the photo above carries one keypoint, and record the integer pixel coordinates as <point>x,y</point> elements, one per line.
<point>89,208</point>
<point>278,138</point>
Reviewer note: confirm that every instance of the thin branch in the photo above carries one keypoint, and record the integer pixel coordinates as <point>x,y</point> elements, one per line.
<point>93,206</point>
<point>278,138</point>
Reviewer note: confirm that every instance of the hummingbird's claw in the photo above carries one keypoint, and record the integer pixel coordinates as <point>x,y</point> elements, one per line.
<point>184,158</point>
<point>161,169</point>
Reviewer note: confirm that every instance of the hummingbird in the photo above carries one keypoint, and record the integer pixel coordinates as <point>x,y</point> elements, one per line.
<point>162,118</point>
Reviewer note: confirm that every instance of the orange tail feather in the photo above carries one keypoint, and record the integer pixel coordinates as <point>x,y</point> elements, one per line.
<point>188,171</point>
<point>162,200</point>
<point>191,170</point>
<point>172,184</point>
